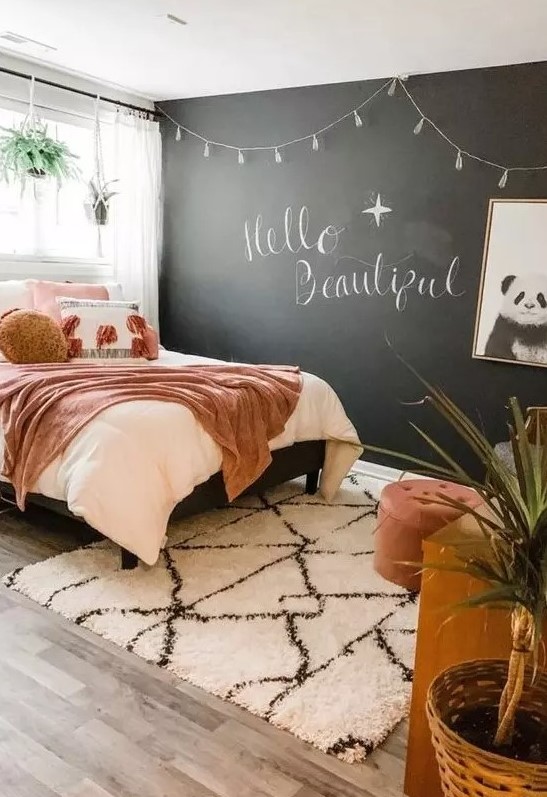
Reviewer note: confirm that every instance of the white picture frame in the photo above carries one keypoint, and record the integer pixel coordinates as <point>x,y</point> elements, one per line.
<point>511,317</point>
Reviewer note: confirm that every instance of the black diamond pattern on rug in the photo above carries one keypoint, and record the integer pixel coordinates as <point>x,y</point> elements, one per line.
<point>271,603</point>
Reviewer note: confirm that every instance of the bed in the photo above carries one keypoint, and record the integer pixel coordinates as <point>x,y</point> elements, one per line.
<point>139,464</point>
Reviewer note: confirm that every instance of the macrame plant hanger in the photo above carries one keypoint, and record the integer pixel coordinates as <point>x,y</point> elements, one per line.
<point>29,126</point>
<point>98,176</point>
<point>30,119</point>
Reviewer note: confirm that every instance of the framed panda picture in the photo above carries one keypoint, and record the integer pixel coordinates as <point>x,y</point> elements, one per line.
<point>511,322</point>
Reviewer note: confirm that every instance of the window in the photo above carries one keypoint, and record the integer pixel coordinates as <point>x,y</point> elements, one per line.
<point>44,220</point>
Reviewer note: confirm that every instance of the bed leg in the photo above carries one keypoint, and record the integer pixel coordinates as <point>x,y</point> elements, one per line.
<point>129,560</point>
<point>312,480</point>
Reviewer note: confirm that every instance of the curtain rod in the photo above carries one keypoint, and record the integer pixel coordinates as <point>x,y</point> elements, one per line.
<point>42,107</point>
<point>82,92</point>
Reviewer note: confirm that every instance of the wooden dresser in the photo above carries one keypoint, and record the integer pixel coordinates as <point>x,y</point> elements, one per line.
<point>446,637</point>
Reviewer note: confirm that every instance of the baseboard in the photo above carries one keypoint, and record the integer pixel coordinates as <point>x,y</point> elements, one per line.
<point>384,473</point>
<point>376,471</point>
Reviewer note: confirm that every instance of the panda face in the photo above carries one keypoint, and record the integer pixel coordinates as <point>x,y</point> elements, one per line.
<point>525,299</point>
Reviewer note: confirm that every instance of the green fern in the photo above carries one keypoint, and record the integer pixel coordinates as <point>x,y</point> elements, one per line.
<point>29,152</point>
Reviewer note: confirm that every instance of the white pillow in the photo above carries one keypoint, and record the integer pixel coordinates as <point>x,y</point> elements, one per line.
<point>104,331</point>
<point>115,292</point>
<point>15,294</point>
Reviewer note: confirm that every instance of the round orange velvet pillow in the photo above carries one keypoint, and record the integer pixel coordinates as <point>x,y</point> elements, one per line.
<point>27,336</point>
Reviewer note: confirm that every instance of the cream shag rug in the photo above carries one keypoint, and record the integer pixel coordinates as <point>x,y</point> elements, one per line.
<point>271,603</point>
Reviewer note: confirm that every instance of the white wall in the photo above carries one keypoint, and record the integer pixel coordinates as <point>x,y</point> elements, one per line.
<point>18,89</point>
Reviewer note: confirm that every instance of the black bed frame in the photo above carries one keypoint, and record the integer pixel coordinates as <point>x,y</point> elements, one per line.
<point>300,459</point>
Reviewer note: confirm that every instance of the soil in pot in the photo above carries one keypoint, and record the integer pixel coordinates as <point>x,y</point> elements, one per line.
<point>36,172</point>
<point>477,726</point>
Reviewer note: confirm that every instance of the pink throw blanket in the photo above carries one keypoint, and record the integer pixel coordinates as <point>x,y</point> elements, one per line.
<point>43,407</point>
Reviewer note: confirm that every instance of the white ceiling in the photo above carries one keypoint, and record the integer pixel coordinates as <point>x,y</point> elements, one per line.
<point>246,45</point>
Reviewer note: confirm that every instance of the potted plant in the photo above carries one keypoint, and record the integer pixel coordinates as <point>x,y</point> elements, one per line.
<point>28,151</point>
<point>489,718</point>
<point>98,203</point>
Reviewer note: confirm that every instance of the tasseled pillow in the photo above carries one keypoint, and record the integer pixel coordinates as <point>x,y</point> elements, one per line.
<point>104,330</point>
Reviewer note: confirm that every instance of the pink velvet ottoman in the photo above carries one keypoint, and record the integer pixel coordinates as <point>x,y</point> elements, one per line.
<point>405,518</point>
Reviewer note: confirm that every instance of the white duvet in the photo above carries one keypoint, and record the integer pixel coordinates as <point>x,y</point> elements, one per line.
<point>128,468</point>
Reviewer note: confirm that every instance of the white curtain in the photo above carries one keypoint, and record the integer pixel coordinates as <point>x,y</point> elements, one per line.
<point>137,210</point>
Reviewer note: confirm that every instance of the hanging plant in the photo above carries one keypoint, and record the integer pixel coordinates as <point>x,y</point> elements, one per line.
<point>98,202</point>
<point>97,205</point>
<point>28,151</point>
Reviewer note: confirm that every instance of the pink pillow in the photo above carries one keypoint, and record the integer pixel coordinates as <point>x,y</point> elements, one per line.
<point>46,293</point>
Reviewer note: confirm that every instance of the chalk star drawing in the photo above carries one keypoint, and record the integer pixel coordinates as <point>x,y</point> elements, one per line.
<point>377,210</point>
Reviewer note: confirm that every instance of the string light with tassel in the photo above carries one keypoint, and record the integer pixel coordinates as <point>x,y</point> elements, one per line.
<point>390,87</point>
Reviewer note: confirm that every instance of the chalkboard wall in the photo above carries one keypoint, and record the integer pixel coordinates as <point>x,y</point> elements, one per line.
<point>221,297</point>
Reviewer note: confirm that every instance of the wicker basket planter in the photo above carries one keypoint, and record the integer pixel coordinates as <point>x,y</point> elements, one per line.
<point>466,770</point>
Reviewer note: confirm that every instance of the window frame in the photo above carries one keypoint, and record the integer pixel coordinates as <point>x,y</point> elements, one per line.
<point>42,266</point>
<point>52,266</point>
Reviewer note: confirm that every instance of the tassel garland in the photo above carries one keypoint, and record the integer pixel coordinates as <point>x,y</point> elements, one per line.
<point>69,325</point>
<point>138,348</point>
<point>106,335</point>
<point>503,179</point>
<point>136,324</point>
<point>74,347</point>
<point>394,85</point>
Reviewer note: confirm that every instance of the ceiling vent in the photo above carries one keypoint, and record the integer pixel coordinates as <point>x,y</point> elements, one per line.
<point>175,20</point>
<point>23,41</point>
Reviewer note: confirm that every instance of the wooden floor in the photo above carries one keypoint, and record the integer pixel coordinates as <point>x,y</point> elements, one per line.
<point>83,718</point>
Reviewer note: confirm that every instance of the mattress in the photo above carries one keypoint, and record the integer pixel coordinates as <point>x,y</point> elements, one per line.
<point>129,467</point>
